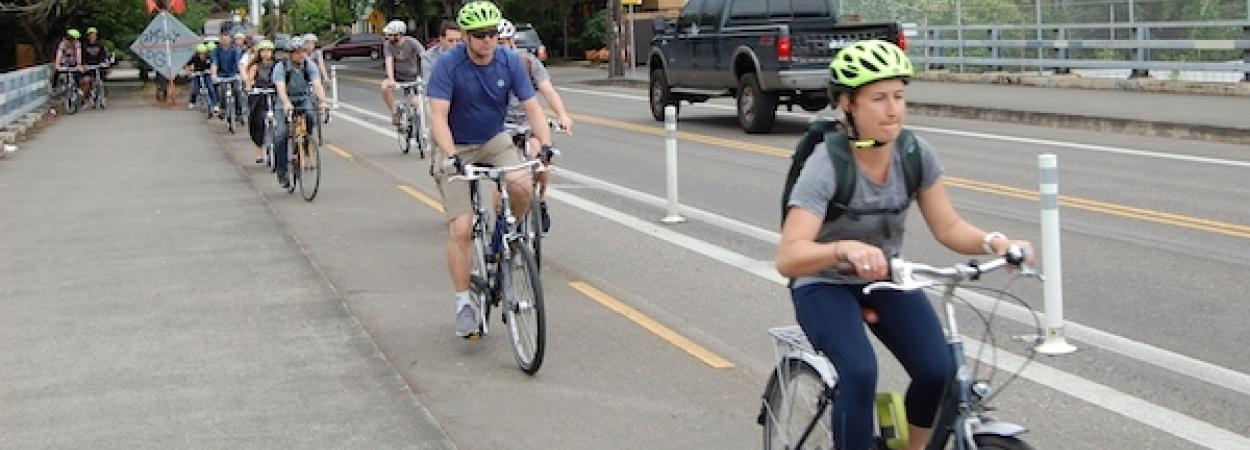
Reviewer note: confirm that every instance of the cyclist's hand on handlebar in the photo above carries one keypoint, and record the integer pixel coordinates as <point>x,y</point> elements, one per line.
<point>868,261</point>
<point>388,84</point>
<point>288,108</point>
<point>566,123</point>
<point>1019,249</point>
<point>453,165</point>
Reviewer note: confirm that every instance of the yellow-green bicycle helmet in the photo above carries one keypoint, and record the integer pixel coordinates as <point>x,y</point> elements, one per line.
<point>265,45</point>
<point>73,33</point>
<point>479,15</point>
<point>867,61</point>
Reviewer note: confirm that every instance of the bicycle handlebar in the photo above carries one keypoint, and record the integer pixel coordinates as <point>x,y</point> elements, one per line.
<point>902,272</point>
<point>472,172</point>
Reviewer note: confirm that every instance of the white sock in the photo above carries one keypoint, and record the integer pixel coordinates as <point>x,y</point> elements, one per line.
<point>463,299</point>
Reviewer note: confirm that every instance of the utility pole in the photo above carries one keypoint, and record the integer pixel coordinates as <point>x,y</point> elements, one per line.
<point>615,68</point>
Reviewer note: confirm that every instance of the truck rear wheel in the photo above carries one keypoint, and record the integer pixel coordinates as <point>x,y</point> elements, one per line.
<point>757,110</point>
<point>661,95</point>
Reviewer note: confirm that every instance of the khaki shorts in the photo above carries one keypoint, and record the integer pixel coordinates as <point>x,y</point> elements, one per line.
<point>498,152</point>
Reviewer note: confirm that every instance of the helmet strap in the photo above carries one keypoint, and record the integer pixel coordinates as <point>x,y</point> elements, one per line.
<point>853,135</point>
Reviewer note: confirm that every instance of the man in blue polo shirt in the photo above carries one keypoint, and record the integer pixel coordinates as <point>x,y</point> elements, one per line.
<point>468,94</point>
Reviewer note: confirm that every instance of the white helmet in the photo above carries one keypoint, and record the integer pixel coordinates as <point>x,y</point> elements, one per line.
<point>506,29</point>
<point>310,38</point>
<point>395,27</point>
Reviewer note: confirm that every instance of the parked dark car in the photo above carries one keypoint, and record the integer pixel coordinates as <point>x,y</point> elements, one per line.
<point>764,53</point>
<point>527,38</point>
<point>356,45</point>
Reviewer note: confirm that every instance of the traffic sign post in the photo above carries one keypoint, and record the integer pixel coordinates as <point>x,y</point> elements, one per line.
<point>166,45</point>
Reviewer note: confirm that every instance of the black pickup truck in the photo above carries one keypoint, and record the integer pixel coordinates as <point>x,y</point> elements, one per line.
<point>763,52</point>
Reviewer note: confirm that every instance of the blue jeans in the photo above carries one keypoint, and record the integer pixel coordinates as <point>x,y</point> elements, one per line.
<point>305,103</point>
<point>203,80</point>
<point>832,318</point>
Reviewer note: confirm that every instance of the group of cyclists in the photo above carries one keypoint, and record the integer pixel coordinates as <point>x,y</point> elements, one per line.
<point>86,63</point>
<point>477,81</point>
<point>252,71</point>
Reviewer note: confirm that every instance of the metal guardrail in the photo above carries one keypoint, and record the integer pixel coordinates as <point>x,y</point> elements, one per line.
<point>1052,45</point>
<point>22,91</point>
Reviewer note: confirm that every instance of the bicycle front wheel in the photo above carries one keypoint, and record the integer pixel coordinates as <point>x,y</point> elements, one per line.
<point>795,403</point>
<point>310,176</point>
<point>523,308</point>
<point>230,113</point>
<point>993,442</point>
<point>534,223</point>
<point>403,132</point>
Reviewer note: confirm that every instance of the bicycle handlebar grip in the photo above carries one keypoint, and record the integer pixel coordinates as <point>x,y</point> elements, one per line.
<point>1015,255</point>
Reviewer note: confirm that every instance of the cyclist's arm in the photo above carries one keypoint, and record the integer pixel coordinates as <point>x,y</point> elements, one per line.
<point>439,128</point>
<point>78,55</point>
<point>557,104</point>
<point>799,254</point>
<point>538,120</point>
<point>249,75</point>
<point>60,56</point>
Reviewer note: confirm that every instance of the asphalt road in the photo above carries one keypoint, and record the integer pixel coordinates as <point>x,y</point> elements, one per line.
<point>1154,243</point>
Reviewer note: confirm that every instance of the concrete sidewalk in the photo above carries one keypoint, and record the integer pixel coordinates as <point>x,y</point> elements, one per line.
<point>150,298</point>
<point>1189,116</point>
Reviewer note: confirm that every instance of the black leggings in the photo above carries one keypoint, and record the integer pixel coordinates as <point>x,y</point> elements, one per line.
<point>832,318</point>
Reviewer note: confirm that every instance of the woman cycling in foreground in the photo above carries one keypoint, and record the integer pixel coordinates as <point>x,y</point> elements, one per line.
<point>868,81</point>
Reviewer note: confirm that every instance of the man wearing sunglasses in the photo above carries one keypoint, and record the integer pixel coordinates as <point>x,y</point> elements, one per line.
<point>402,62</point>
<point>469,91</point>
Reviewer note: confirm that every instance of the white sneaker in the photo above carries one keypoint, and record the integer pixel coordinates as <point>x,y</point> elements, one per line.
<point>467,325</point>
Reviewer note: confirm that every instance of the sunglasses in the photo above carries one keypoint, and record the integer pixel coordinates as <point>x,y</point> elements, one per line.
<point>485,34</point>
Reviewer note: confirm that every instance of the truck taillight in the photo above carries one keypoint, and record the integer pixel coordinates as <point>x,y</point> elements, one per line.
<point>902,40</point>
<point>783,47</point>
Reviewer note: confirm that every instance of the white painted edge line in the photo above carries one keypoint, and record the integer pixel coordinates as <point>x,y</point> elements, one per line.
<point>973,134</point>
<point>1166,359</point>
<point>1164,419</point>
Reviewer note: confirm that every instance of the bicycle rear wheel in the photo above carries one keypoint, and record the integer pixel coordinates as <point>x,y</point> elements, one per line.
<point>795,403</point>
<point>310,176</point>
<point>523,308</point>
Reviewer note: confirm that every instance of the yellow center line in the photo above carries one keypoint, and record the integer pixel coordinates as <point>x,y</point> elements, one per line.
<point>336,149</point>
<point>666,333</point>
<point>429,201</point>
<point>1148,215</point>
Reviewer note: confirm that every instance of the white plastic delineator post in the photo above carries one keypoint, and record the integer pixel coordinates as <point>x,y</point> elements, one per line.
<point>334,84</point>
<point>1054,342</point>
<point>670,153</point>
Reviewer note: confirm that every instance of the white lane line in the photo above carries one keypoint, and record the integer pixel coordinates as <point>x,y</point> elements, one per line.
<point>1166,359</point>
<point>974,134</point>
<point>1163,419</point>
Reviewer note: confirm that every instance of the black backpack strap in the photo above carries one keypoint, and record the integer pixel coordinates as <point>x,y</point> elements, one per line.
<point>844,171</point>
<point>815,133</point>
<point>913,163</point>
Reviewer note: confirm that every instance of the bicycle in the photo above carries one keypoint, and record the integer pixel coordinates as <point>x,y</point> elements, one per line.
<point>791,422</point>
<point>508,272</point>
<point>521,133</point>
<point>303,156</point>
<point>412,119</point>
<point>271,123</point>
<point>202,98</point>
<point>96,95</point>
<point>70,83</point>
<point>229,102</point>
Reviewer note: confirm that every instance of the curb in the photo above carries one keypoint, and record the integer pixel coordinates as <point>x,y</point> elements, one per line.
<point>1092,123</point>
<point>622,82</point>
